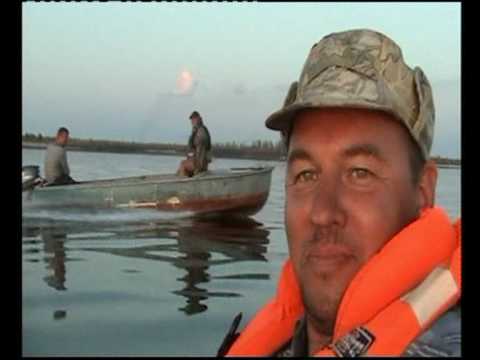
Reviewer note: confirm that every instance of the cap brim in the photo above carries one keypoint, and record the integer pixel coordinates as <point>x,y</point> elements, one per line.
<point>281,119</point>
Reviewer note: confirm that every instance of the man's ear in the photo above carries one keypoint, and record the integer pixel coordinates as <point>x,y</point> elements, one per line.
<point>427,185</point>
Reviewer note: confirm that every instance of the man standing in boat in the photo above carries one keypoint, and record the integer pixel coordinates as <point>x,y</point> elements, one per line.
<point>374,267</point>
<point>57,171</point>
<point>199,149</point>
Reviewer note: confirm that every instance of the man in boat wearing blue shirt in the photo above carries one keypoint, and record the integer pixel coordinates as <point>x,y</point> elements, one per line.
<point>199,149</point>
<point>57,171</point>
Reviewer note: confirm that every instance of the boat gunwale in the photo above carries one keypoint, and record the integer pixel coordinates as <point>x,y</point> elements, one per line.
<point>111,182</point>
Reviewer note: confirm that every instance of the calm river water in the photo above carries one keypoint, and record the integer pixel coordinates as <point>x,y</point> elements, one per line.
<point>138,282</point>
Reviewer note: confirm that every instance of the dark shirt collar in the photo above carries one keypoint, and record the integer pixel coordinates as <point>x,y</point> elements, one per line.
<point>298,344</point>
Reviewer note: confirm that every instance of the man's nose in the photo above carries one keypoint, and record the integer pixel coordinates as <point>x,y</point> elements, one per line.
<point>327,204</point>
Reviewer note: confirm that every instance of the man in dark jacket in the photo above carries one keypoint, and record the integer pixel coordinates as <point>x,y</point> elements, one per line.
<point>199,149</point>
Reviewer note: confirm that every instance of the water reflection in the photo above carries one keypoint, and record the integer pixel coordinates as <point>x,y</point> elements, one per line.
<point>199,245</point>
<point>241,240</point>
<point>196,241</point>
<point>59,314</point>
<point>53,247</point>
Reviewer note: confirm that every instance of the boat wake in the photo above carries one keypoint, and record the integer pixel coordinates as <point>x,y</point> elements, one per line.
<point>103,216</point>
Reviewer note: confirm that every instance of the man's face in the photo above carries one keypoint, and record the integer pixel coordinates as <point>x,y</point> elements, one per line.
<point>349,189</point>
<point>62,138</point>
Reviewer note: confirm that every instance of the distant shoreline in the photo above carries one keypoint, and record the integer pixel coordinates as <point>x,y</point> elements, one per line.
<point>219,151</point>
<point>166,152</point>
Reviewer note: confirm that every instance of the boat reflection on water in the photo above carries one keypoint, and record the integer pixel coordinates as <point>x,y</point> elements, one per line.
<point>199,245</point>
<point>52,243</point>
<point>54,249</point>
<point>239,240</point>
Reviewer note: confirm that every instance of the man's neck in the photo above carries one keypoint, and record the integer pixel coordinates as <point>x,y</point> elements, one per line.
<point>318,337</point>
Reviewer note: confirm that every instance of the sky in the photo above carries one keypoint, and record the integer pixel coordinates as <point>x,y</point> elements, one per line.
<point>135,71</point>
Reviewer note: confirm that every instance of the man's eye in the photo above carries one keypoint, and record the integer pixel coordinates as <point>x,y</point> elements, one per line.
<point>361,174</point>
<point>306,176</point>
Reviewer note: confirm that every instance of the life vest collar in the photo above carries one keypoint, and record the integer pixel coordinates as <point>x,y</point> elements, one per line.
<point>421,261</point>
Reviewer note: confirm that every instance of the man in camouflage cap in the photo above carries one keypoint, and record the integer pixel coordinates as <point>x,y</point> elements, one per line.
<point>374,266</point>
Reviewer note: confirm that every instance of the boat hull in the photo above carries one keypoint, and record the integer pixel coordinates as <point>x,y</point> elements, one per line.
<point>243,191</point>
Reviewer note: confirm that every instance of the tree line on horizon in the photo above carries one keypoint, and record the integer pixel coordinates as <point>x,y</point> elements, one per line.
<point>263,149</point>
<point>257,149</point>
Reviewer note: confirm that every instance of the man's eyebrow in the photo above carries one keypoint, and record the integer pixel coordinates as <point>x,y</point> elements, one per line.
<point>298,154</point>
<point>364,149</point>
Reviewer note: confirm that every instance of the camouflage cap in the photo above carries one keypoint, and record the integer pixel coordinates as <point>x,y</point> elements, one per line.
<point>361,69</point>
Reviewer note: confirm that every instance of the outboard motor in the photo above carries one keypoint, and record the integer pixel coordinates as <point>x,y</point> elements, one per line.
<point>30,177</point>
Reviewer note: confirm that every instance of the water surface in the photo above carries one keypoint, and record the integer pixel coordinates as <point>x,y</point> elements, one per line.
<point>141,282</point>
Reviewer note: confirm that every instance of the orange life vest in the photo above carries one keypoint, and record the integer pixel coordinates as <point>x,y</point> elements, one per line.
<point>395,296</point>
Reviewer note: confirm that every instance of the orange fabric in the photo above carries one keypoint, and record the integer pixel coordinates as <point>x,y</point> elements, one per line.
<point>373,297</point>
<point>455,266</point>
<point>277,319</point>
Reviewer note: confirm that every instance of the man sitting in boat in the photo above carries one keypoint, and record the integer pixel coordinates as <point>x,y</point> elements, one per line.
<point>199,149</point>
<point>56,167</point>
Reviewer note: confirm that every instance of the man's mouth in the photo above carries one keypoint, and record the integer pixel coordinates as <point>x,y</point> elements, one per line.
<point>328,258</point>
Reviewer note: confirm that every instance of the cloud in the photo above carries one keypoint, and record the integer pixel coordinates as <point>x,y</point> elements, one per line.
<point>186,84</point>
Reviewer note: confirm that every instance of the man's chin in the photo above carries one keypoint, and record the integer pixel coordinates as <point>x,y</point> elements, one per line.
<point>322,311</point>
<point>322,295</point>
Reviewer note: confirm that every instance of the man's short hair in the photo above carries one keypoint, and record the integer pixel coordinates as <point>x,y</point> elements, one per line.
<point>195,114</point>
<point>416,159</point>
<point>62,130</point>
